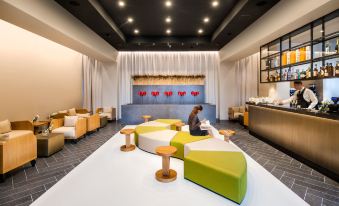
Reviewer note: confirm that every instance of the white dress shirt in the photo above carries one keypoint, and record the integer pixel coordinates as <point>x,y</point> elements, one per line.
<point>309,96</point>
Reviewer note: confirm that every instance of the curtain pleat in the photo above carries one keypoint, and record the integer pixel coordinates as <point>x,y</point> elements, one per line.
<point>92,83</point>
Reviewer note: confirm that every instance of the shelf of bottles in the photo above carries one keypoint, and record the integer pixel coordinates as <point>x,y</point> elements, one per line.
<point>310,52</point>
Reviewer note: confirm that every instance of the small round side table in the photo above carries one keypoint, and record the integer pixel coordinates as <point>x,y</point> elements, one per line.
<point>166,174</point>
<point>146,117</point>
<point>179,125</point>
<point>227,134</point>
<point>128,147</point>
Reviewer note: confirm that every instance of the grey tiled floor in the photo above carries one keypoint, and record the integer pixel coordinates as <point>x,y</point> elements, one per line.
<point>27,183</point>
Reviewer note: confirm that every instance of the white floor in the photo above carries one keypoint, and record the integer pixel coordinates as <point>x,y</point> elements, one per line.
<point>111,177</point>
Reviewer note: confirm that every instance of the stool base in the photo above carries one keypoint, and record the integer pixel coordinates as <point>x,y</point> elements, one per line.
<point>127,149</point>
<point>170,178</point>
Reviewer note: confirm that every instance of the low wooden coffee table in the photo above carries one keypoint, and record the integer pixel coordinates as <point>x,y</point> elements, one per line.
<point>128,146</point>
<point>39,126</point>
<point>166,174</point>
<point>179,125</point>
<point>48,145</point>
<point>227,134</point>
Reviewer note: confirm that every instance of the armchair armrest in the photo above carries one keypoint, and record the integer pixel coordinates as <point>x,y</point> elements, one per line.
<point>93,122</point>
<point>80,127</point>
<point>22,125</point>
<point>82,111</point>
<point>99,110</point>
<point>57,123</point>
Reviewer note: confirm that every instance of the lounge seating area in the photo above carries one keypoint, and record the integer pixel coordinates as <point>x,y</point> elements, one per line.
<point>19,144</point>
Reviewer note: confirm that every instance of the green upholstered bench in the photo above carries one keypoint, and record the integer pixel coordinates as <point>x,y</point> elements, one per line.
<point>145,129</point>
<point>224,173</point>
<point>171,122</point>
<point>182,138</point>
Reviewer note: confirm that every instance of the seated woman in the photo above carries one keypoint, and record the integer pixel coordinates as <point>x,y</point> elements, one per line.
<point>194,122</point>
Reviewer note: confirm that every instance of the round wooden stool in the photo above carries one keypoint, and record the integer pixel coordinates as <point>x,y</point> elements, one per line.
<point>128,147</point>
<point>227,134</point>
<point>179,125</point>
<point>166,174</point>
<point>146,117</point>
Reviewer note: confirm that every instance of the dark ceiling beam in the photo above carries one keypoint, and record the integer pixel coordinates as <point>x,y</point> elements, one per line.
<point>238,7</point>
<point>97,6</point>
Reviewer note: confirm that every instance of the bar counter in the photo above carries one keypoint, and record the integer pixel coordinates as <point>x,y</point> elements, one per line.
<point>310,137</point>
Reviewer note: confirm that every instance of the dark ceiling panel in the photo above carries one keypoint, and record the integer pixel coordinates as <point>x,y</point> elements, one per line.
<point>149,18</point>
<point>187,16</point>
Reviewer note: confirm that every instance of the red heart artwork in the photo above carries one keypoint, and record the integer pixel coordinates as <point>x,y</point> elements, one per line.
<point>181,93</point>
<point>155,93</point>
<point>142,93</point>
<point>195,93</point>
<point>168,93</point>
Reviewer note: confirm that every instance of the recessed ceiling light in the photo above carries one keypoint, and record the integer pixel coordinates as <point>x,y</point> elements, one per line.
<point>206,20</point>
<point>121,3</point>
<point>215,3</point>
<point>200,31</point>
<point>168,31</point>
<point>136,31</point>
<point>130,19</point>
<point>168,19</point>
<point>168,3</point>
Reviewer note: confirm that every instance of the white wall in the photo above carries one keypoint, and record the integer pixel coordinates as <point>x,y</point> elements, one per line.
<point>48,19</point>
<point>37,76</point>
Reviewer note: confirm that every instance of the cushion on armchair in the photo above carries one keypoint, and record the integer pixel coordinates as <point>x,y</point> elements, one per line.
<point>70,121</point>
<point>69,132</point>
<point>84,115</point>
<point>5,126</point>
<point>107,109</point>
<point>72,112</point>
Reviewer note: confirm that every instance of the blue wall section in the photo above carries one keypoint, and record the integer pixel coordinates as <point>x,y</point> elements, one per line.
<point>163,99</point>
<point>131,113</point>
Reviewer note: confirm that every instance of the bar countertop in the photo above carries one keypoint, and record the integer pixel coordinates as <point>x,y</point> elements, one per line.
<point>316,113</point>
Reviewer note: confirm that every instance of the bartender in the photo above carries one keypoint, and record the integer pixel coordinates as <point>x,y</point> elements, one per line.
<point>304,96</point>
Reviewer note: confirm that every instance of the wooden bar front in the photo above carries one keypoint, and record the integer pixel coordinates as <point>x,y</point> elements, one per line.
<point>310,138</point>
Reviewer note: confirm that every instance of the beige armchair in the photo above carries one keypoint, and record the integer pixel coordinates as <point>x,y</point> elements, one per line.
<point>108,112</point>
<point>70,132</point>
<point>93,121</point>
<point>18,146</point>
<point>235,112</point>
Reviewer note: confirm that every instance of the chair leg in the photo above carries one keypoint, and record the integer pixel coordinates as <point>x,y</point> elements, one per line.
<point>2,177</point>
<point>33,162</point>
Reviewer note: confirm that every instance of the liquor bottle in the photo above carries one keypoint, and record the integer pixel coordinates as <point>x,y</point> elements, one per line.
<point>297,55</point>
<point>308,73</point>
<point>315,71</point>
<point>322,72</point>
<point>326,71</point>
<point>288,57</point>
<point>308,52</point>
<point>284,59</point>
<point>327,48</point>
<point>337,69</point>
<point>298,74</point>
<point>337,46</point>
<point>289,74</point>
<point>285,74</point>
<point>331,70</point>
<point>278,75</point>
<point>302,54</point>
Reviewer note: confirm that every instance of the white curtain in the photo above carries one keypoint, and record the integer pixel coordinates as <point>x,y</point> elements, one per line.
<point>239,82</point>
<point>168,63</point>
<point>246,71</point>
<point>92,83</point>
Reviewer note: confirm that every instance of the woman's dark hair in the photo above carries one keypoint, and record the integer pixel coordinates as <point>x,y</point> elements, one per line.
<point>196,109</point>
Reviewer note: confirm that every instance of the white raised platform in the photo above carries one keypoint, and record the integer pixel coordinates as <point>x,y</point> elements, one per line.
<point>111,177</point>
